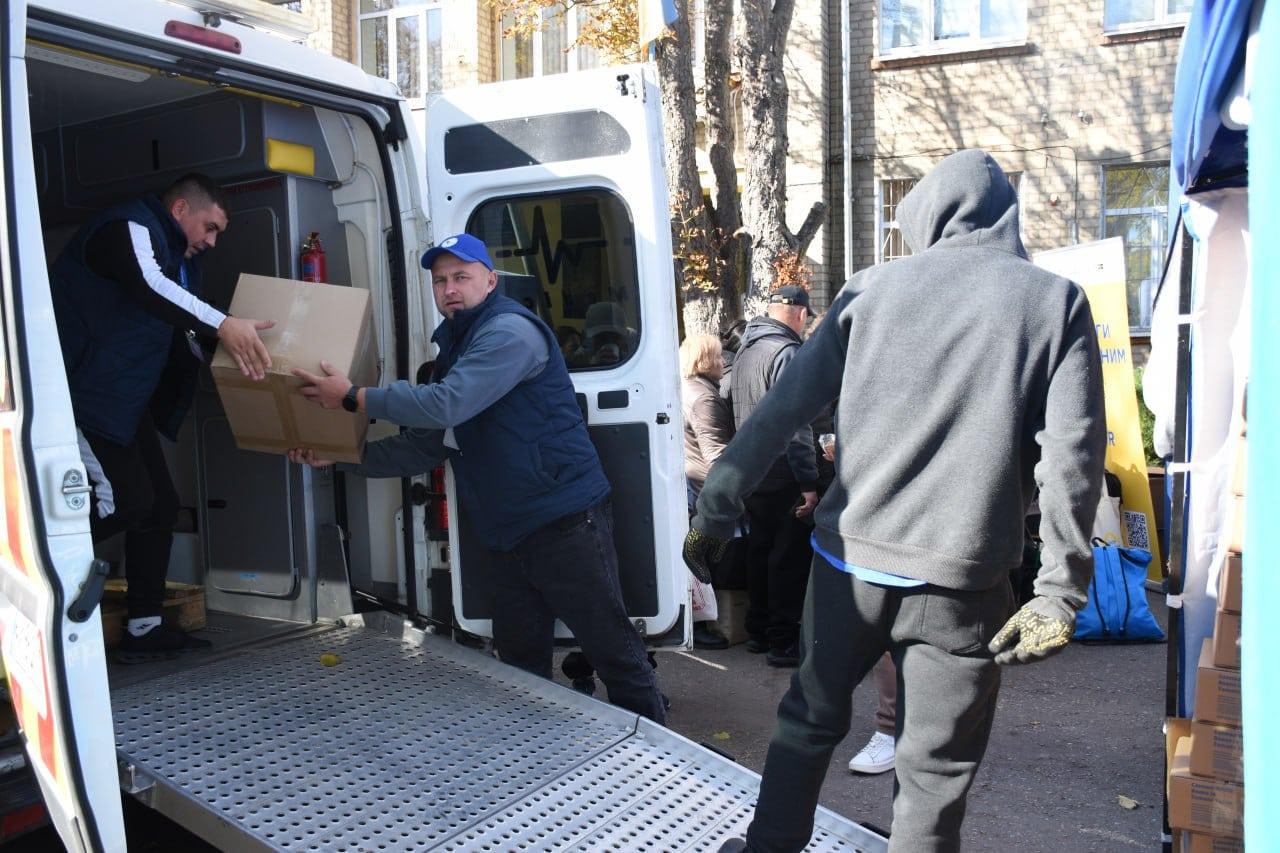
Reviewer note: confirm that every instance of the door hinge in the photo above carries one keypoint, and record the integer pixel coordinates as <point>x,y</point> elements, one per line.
<point>75,489</point>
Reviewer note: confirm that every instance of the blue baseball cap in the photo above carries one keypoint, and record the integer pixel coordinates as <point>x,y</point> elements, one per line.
<point>463,246</point>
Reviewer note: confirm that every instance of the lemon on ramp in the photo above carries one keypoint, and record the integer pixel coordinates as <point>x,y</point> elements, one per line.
<point>330,659</point>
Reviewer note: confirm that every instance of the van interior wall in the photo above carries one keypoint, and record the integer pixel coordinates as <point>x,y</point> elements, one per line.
<point>249,521</point>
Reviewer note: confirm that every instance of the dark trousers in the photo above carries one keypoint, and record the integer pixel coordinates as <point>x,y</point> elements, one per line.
<point>778,558</point>
<point>569,570</point>
<point>947,686</point>
<point>146,508</point>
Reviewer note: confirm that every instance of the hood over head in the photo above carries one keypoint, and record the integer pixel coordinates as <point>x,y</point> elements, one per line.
<point>965,201</point>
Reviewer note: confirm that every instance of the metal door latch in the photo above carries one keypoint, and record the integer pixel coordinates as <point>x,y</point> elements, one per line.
<point>75,489</point>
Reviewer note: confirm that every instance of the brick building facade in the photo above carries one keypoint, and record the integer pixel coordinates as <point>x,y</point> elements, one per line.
<point>1073,99</point>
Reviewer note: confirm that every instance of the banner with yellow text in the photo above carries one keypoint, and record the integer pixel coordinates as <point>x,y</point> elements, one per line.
<point>1099,269</point>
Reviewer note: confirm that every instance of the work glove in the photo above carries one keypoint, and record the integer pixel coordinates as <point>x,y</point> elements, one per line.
<point>1042,628</point>
<point>700,551</point>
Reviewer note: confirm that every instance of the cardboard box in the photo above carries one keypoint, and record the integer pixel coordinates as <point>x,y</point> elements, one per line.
<point>1217,751</point>
<point>1217,690</point>
<point>1195,842</point>
<point>1235,538</point>
<point>1240,477</point>
<point>1226,640</point>
<point>183,609</point>
<point>314,323</point>
<point>1229,585</point>
<point>731,622</point>
<point>1208,806</point>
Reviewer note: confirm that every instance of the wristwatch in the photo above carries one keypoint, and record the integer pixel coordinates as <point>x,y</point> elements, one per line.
<point>349,402</point>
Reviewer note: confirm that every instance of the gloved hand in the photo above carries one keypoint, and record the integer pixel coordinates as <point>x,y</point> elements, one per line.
<point>1042,628</point>
<point>700,551</point>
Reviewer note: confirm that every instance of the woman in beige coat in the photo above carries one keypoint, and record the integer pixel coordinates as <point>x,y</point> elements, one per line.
<point>708,426</point>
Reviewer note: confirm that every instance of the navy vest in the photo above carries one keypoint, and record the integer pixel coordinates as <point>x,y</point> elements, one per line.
<point>119,358</point>
<point>527,459</point>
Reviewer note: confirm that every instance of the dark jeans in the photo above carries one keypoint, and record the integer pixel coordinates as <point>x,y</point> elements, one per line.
<point>569,570</point>
<point>778,557</point>
<point>947,685</point>
<point>146,508</point>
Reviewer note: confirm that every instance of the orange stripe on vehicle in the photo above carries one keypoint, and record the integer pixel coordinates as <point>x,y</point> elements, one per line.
<point>17,554</point>
<point>48,739</point>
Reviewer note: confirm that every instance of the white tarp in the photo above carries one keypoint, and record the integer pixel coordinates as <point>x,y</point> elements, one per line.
<point>1219,369</point>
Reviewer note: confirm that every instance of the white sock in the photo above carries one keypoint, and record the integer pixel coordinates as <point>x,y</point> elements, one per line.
<point>138,627</point>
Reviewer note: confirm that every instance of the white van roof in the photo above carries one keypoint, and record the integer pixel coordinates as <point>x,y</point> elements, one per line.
<point>131,19</point>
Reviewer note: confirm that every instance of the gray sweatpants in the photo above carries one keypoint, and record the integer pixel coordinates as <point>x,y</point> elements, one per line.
<point>947,685</point>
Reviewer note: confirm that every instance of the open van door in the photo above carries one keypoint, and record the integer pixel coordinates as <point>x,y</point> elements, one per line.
<point>50,630</point>
<point>562,178</point>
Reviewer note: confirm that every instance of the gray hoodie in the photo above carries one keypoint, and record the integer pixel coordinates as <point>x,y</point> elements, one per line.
<point>966,377</point>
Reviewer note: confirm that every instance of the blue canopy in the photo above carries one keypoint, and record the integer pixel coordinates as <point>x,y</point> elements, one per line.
<point>1206,153</point>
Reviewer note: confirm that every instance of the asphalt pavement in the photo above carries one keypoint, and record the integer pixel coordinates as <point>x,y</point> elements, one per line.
<point>1072,736</point>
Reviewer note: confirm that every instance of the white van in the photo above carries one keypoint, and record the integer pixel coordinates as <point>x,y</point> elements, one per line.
<point>411,740</point>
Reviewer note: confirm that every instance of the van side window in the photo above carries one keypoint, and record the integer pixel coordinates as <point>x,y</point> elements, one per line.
<point>570,258</point>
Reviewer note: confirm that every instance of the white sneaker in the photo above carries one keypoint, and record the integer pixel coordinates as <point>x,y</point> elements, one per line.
<point>876,756</point>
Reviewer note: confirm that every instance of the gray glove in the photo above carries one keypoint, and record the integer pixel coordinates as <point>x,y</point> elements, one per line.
<point>1041,629</point>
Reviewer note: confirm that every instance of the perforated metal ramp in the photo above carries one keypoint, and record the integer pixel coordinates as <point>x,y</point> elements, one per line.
<point>413,743</point>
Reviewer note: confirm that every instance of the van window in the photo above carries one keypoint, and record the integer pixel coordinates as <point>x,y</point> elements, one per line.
<point>569,257</point>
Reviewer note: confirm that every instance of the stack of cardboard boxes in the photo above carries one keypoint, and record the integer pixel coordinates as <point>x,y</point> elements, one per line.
<point>1206,762</point>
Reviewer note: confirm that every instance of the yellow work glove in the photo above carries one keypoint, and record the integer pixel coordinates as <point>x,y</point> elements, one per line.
<point>1042,628</point>
<point>700,551</point>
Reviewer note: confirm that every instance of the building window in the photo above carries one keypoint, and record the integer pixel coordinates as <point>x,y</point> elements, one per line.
<point>403,41</point>
<point>891,245</point>
<point>1136,14</point>
<point>547,50</point>
<point>1135,200</point>
<point>938,26</point>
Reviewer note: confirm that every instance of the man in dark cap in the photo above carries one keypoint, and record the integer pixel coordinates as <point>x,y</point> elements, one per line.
<point>778,550</point>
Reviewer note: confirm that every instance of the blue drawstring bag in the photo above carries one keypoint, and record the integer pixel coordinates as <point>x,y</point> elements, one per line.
<point>1117,610</point>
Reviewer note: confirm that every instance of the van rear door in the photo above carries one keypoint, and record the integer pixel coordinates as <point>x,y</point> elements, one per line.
<point>50,631</point>
<point>562,178</point>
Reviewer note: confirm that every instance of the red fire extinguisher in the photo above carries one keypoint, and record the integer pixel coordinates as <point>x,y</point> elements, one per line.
<point>313,263</point>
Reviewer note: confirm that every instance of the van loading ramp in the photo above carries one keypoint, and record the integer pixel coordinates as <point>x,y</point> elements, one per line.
<point>413,742</point>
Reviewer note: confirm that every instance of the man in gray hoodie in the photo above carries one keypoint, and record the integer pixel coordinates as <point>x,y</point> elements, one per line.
<point>966,378</point>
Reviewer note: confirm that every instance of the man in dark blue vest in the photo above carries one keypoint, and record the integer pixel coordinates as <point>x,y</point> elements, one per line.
<point>501,408</point>
<point>126,296</point>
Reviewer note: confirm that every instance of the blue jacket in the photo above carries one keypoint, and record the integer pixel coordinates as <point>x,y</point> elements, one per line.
<point>119,358</point>
<point>527,459</point>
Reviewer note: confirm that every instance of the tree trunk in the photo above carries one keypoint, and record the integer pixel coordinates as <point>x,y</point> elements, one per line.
<point>691,232</point>
<point>721,147</point>
<point>762,29</point>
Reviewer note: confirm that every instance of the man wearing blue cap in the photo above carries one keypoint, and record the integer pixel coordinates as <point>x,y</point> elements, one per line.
<point>501,409</point>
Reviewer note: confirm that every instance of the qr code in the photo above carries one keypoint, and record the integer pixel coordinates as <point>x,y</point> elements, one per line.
<point>1135,530</point>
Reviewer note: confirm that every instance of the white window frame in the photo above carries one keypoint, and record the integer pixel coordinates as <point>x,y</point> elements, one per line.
<point>1160,20</point>
<point>931,46</point>
<point>572,56</point>
<point>883,226</point>
<point>405,9</point>
<point>1159,242</point>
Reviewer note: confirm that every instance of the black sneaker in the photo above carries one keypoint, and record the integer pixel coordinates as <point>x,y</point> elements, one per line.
<point>705,638</point>
<point>757,647</point>
<point>788,657</point>
<point>160,643</point>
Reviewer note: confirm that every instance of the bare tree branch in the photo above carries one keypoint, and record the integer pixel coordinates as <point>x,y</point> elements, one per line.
<point>809,228</point>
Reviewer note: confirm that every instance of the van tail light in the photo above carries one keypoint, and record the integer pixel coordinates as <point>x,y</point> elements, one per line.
<point>202,36</point>
<point>438,512</point>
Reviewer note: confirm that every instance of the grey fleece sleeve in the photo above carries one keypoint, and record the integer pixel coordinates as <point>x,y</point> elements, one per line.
<point>811,381</point>
<point>504,352</point>
<point>408,454</point>
<point>1073,446</point>
<point>801,456</point>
